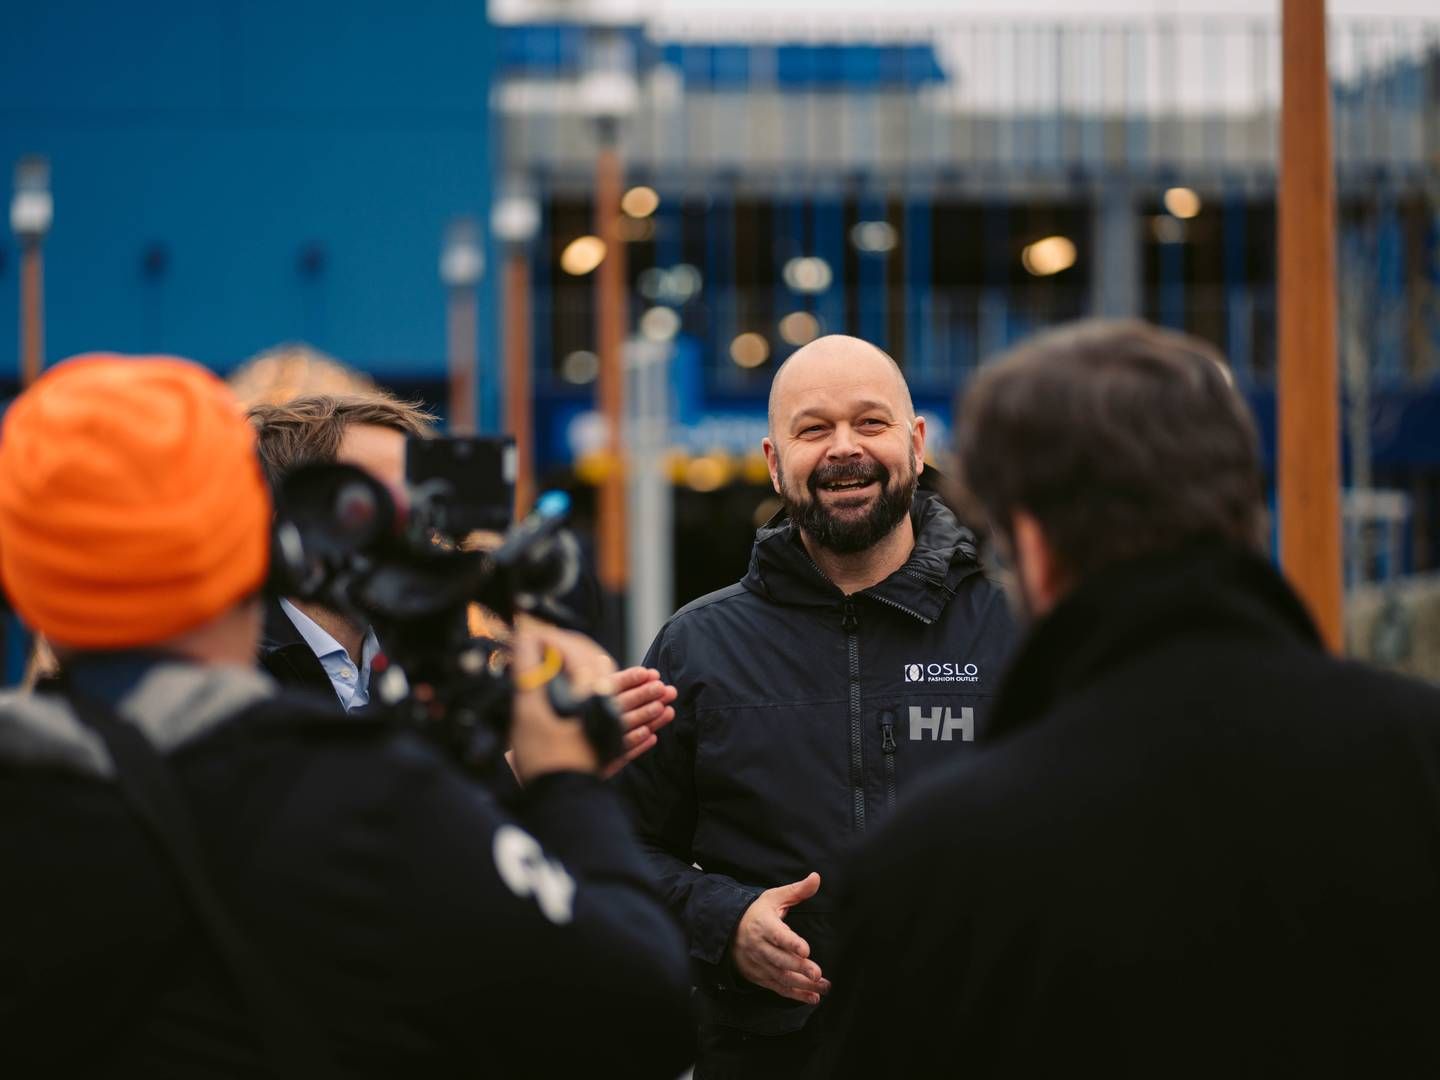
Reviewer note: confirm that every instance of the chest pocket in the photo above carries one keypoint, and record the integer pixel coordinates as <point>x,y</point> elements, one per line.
<point>923,733</point>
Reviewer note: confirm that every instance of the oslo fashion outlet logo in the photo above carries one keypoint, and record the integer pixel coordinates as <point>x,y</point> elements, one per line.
<point>946,672</point>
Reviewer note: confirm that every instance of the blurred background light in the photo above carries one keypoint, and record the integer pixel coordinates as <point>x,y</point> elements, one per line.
<point>1049,255</point>
<point>677,285</point>
<point>659,324</point>
<point>683,283</point>
<point>1182,202</point>
<point>32,209</point>
<point>873,237</point>
<point>462,259</point>
<point>1167,229</point>
<point>580,367</point>
<point>637,230</point>
<point>640,202</point>
<point>750,349</point>
<point>515,218</point>
<point>807,274</point>
<point>651,283</point>
<point>799,328</point>
<point>582,255</point>
<point>708,472</point>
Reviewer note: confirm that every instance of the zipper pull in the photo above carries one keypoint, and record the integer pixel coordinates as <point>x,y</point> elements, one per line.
<point>848,622</point>
<point>887,734</point>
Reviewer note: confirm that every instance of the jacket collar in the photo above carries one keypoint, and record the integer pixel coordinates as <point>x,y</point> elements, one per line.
<point>279,631</point>
<point>173,701</point>
<point>1121,612</point>
<point>782,571</point>
<point>285,655</point>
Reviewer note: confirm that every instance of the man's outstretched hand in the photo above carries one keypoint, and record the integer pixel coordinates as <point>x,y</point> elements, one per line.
<point>769,954</point>
<point>644,709</point>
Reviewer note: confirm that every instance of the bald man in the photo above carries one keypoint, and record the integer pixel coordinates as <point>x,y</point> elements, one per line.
<point>856,656</point>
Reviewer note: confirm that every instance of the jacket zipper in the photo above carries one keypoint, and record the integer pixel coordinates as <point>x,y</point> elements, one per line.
<point>901,607</point>
<point>887,745</point>
<point>851,625</point>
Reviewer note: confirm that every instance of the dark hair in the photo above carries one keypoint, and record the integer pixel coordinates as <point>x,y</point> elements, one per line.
<point>307,430</point>
<point>1119,438</point>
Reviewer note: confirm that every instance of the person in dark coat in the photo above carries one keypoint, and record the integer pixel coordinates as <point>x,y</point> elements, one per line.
<point>349,902</point>
<point>1198,844</point>
<point>858,654</point>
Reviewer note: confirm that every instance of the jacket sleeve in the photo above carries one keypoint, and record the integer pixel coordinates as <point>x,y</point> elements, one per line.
<point>560,958</point>
<point>660,791</point>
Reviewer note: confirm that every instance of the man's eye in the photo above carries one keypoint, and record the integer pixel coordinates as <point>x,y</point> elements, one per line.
<point>811,430</point>
<point>873,422</point>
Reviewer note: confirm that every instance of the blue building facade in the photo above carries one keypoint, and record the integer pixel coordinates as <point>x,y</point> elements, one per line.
<point>231,176</point>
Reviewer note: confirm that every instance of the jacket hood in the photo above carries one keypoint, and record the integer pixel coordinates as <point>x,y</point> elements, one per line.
<point>945,553</point>
<point>1122,611</point>
<point>173,703</point>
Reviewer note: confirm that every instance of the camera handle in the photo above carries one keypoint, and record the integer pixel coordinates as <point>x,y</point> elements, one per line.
<point>598,715</point>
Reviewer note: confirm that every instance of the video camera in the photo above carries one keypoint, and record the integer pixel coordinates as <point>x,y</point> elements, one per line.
<point>412,567</point>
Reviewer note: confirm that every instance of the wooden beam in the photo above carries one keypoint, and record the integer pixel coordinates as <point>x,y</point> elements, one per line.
<point>32,312</point>
<point>462,322</point>
<point>1308,400</point>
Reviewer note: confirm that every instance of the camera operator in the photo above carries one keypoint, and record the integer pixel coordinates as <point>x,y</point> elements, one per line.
<point>207,877</point>
<point>308,646</point>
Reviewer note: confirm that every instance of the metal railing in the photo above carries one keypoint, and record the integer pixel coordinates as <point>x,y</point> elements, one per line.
<point>1028,98</point>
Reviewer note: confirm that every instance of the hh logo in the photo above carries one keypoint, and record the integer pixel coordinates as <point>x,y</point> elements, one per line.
<point>942,724</point>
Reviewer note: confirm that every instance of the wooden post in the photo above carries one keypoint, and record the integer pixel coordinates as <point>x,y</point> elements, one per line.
<point>1308,462</point>
<point>519,406</point>
<point>32,312</point>
<point>610,322</point>
<point>462,330</point>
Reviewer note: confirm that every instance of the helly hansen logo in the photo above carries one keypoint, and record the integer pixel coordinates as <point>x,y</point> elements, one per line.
<point>940,723</point>
<point>947,672</point>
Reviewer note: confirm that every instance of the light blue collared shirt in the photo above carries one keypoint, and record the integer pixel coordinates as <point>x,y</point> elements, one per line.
<point>352,686</point>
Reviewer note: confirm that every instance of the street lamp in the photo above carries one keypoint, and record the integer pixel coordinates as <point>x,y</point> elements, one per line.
<point>32,209</point>
<point>515,219</point>
<point>462,263</point>
<point>609,93</point>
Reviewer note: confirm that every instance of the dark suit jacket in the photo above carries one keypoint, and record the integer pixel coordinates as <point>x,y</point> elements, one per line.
<point>288,658</point>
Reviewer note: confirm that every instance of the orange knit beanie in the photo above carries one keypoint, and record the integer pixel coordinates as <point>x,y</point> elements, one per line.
<point>132,506</point>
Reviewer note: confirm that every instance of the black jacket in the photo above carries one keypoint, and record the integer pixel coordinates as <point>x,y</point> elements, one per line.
<point>287,657</point>
<point>1201,846</point>
<point>421,929</point>
<point>802,716</point>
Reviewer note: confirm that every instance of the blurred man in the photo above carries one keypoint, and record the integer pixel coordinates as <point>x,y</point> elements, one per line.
<point>206,879</point>
<point>857,655</point>
<point>1200,846</point>
<point>308,646</point>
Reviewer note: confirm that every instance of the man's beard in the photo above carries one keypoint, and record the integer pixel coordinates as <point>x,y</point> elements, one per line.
<point>846,534</point>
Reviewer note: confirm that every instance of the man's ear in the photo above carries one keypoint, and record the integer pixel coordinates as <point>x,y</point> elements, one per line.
<point>1036,564</point>
<point>917,443</point>
<point>772,461</point>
